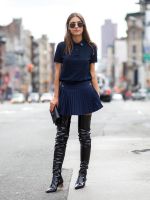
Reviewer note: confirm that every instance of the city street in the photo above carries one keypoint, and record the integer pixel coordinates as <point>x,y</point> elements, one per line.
<point>119,167</point>
<point>99,53</point>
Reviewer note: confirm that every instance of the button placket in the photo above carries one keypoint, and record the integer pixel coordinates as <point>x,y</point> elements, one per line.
<point>76,51</point>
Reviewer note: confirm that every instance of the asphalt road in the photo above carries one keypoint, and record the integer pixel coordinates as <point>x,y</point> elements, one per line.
<point>27,137</point>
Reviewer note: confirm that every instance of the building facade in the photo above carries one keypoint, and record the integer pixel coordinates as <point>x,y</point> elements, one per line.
<point>44,64</point>
<point>135,35</point>
<point>3,80</point>
<point>108,35</point>
<point>138,37</point>
<point>18,54</point>
<point>35,70</point>
<point>27,60</point>
<point>120,60</point>
<point>110,67</point>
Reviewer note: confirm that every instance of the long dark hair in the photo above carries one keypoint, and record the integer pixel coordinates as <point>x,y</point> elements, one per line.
<point>68,38</point>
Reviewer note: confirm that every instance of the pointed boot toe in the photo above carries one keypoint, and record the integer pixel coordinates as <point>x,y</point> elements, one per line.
<point>56,183</point>
<point>80,182</point>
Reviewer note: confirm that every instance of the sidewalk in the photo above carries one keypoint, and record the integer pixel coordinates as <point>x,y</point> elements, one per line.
<point>119,169</point>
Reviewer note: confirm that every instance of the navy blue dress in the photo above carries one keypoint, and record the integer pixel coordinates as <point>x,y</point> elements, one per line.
<point>77,96</point>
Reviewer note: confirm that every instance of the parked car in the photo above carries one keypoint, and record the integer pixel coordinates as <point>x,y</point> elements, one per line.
<point>34,97</point>
<point>106,94</point>
<point>46,97</point>
<point>105,90</point>
<point>148,94</point>
<point>102,80</point>
<point>18,98</point>
<point>117,96</point>
<point>141,94</point>
<point>127,95</point>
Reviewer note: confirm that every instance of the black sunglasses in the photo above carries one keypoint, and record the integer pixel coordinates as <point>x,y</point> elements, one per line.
<point>73,24</point>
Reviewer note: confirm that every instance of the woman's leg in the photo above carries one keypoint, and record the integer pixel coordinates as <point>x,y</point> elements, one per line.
<point>84,123</point>
<point>59,152</point>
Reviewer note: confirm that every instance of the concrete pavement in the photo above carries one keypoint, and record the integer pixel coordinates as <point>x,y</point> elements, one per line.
<point>119,165</point>
<point>119,169</point>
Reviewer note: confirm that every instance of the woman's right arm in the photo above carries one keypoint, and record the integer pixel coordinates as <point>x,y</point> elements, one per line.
<point>54,101</point>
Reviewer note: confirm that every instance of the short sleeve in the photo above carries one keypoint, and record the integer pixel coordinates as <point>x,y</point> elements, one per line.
<point>58,56</point>
<point>93,58</point>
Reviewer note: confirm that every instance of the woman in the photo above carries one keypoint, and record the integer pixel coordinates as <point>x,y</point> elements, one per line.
<point>76,92</point>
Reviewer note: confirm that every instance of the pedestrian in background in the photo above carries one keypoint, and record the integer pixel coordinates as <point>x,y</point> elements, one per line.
<point>76,92</point>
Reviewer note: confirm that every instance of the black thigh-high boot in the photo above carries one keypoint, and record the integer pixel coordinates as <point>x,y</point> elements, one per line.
<point>59,153</point>
<point>84,122</point>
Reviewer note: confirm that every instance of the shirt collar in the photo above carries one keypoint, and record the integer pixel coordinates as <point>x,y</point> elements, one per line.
<point>82,43</point>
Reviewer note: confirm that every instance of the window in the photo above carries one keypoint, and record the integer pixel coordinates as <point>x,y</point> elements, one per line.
<point>133,35</point>
<point>134,49</point>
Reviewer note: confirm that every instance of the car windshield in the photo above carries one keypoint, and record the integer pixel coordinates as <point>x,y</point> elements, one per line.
<point>34,95</point>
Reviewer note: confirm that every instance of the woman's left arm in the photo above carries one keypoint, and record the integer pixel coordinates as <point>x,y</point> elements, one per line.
<point>94,78</point>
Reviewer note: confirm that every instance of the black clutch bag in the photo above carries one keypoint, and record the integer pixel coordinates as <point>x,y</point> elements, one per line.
<point>55,116</point>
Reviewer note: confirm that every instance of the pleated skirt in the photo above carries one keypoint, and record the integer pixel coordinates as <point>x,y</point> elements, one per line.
<point>78,98</point>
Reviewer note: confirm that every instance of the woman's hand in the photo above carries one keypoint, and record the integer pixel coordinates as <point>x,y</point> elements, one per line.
<point>53,103</point>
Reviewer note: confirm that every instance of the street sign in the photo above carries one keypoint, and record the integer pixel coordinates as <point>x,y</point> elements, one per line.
<point>146,57</point>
